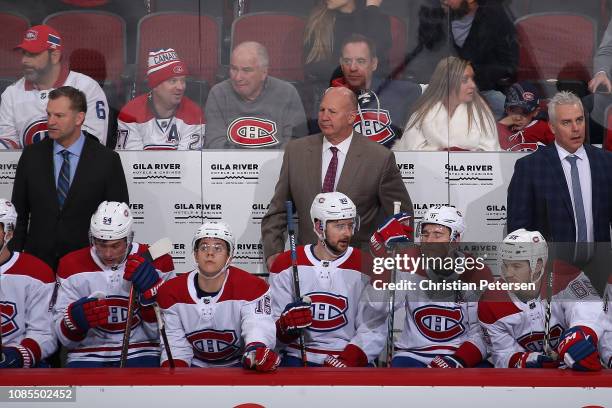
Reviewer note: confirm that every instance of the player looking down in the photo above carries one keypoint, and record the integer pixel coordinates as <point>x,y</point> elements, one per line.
<point>90,313</point>
<point>218,315</point>
<point>525,330</point>
<point>441,325</point>
<point>26,287</point>
<point>337,327</point>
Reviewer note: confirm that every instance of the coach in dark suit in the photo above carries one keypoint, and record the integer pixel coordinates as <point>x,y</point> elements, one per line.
<point>61,181</point>
<point>337,159</point>
<point>563,190</point>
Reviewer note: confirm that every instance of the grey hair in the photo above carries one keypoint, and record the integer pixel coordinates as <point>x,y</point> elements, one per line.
<point>260,51</point>
<point>562,98</point>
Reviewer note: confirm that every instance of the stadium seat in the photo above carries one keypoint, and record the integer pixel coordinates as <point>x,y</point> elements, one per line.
<point>302,7</point>
<point>209,7</point>
<point>399,46</point>
<point>282,34</point>
<point>12,28</point>
<point>598,10</point>
<point>178,30</point>
<point>556,46</point>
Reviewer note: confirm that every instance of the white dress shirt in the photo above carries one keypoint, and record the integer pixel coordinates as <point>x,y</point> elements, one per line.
<point>343,148</point>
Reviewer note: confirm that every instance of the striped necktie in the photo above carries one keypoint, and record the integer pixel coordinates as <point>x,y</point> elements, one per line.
<point>63,182</point>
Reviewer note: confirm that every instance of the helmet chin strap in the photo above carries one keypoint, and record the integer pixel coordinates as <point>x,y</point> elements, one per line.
<point>216,275</point>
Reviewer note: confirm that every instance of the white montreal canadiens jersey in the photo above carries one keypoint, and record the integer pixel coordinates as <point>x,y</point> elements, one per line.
<point>440,322</point>
<point>26,288</point>
<point>23,115</point>
<point>213,331</point>
<point>337,289</point>
<point>512,326</point>
<point>82,274</point>
<point>140,129</point>
<point>606,341</point>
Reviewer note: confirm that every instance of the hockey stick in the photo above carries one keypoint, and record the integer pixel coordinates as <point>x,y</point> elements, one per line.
<point>296,277</point>
<point>161,247</point>
<point>162,330</point>
<point>549,289</point>
<point>390,323</point>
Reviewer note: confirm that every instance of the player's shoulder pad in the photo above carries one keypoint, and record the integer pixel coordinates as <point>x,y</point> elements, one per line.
<point>283,260</point>
<point>75,262</point>
<point>164,263</point>
<point>190,112</point>
<point>241,285</point>
<point>136,111</point>
<point>495,305</point>
<point>174,291</point>
<point>33,267</point>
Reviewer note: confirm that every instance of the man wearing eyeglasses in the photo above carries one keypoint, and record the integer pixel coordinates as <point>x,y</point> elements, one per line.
<point>218,315</point>
<point>330,312</point>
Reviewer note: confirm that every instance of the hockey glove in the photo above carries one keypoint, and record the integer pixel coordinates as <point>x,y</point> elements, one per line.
<point>144,277</point>
<point>296,316</point>
<point>578,349</point>
<point>535,360</point>
<point>394,230</point>
<point>15,357</point>
<point>446,362</point>
<point>351,356</point>
<point>260,358</point>
<point>84,314</point>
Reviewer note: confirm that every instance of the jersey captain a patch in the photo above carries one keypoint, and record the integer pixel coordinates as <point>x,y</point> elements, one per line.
<point>375,124</point>
<point>252,132</point>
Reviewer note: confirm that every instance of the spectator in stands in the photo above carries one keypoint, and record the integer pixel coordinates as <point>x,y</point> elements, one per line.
<point>23,119</point>
<point>382,105</point>
<point>602,63</point>
<point>252,109</point>
<point>482,33</point>
<point>522,129</point>
<point>164,118</point>
<point>450,114</point>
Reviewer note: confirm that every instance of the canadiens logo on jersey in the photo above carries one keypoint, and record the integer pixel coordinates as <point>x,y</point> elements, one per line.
<point>117,308</point>
<point>328,311</point>
<point>375,124</point>
<point>8,313</point>
<point>252,132</point>
<point>35,132</point>
<point>214,345</point>
<point>439,323</point>
<point>534,341</point>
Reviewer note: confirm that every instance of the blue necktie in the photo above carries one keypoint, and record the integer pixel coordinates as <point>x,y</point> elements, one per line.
<point>581,225</point>
<point>63,182</point>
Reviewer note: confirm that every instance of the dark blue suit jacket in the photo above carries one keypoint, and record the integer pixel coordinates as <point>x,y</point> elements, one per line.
<point>539,198</point>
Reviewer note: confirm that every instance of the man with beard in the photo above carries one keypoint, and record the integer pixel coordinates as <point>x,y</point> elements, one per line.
<point>163,119</point>
<point>23,119</point>
<point>331,312</point>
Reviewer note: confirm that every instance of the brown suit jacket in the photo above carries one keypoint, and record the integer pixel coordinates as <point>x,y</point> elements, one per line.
<point>370,178</point>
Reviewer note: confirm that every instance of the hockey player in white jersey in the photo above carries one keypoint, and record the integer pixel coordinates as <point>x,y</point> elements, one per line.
<point>606,341</point>
<point>340,328</point>
<point>521,329</point>
<point>26,288</point>
<point>23,116</point>
<point>218,315</point>
<point>90,312</point>
<point>441,327</point>
<point>164,118</point>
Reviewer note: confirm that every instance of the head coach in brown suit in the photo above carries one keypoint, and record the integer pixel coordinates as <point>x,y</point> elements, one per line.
<point>338,159</point>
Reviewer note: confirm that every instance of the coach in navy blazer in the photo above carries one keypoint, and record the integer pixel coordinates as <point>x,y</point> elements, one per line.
<point>539,196</point>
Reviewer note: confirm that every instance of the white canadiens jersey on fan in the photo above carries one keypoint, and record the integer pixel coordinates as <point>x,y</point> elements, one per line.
<point>26,287</point>
<point>139,129</point>
<point>82,274</point>
<point>512,326</point>
<point>440,322</point>
<point>23,116</point>
<point>340,313</point>
<point>213,331</point>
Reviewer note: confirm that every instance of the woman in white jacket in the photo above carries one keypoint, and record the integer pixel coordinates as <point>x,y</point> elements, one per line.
<point>450,114</point>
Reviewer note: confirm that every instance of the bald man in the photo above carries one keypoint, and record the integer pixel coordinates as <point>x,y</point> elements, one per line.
<point>252,109</point>
<point>337,159</point>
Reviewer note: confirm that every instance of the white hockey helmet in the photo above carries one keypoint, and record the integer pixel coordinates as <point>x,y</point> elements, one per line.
<point>215,229</point>
<point>523,245</point>
<point>112,220</point>
<point>330,207</point>
<point>447,216</point>
<point>8,215</point>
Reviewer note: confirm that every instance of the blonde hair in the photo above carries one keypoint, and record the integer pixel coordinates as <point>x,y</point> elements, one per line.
<point>446,82</point>
<point>319,33</point>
